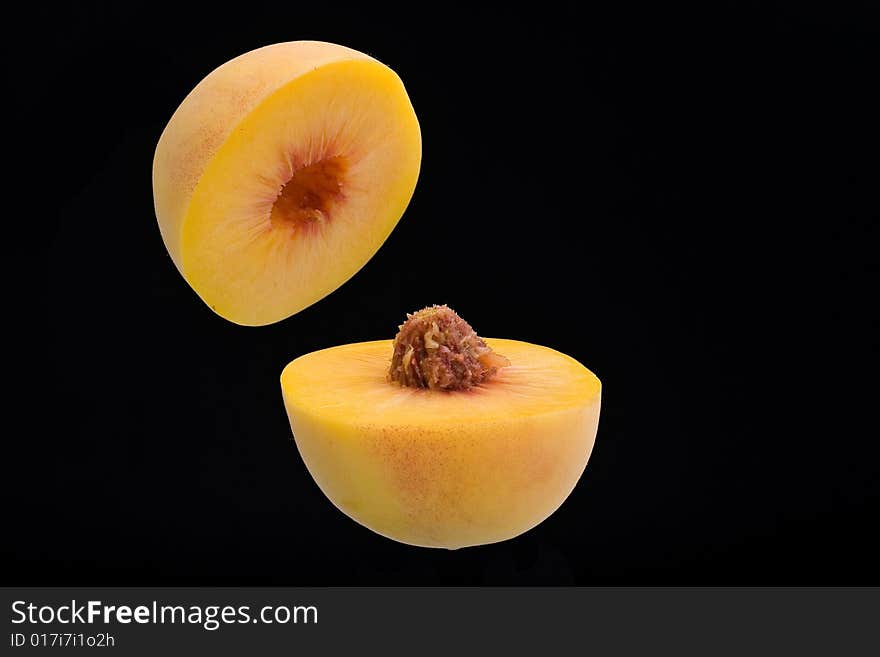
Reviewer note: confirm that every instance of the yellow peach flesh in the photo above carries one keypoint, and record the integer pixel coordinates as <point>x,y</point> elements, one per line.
<point>281,174</point>
<point>441,469</point>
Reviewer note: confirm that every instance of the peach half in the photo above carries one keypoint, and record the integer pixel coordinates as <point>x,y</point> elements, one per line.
<point>445,468</point>
<point>281,174</point>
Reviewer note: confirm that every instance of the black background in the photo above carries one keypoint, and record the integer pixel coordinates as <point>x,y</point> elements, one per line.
<point>684,201</point>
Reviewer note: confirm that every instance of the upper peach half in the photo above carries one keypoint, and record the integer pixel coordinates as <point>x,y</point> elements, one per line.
<point>281,174</point>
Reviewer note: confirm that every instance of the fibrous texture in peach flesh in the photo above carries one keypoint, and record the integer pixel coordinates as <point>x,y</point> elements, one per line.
<point>281,174</point>
<point>443,467</point>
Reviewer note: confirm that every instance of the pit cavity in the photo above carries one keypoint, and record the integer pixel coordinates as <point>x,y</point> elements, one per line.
<point>308,199</point>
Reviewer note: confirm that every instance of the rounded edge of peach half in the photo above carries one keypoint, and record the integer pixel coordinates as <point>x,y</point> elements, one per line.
<point>236,140</point>
<point>439,469</point>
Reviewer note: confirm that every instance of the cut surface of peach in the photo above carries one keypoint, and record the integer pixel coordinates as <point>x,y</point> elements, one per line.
<point>437,468</point>
<point>281,174</point>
